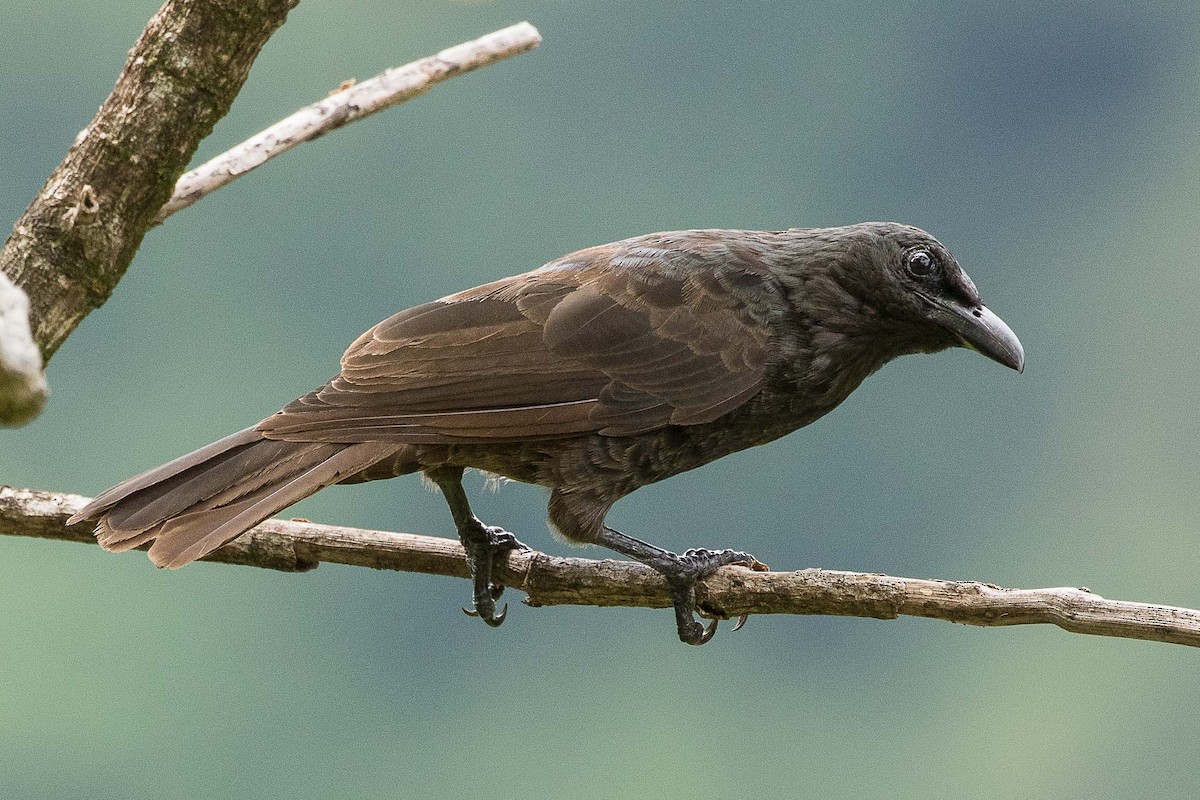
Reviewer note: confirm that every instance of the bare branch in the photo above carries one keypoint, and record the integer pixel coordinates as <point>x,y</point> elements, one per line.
<point>72,245</point>
<point>548,580</point>
<point>353,103</point>
<point>22,385</point>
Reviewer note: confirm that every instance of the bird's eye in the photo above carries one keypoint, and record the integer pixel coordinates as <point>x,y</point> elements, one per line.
<point>919,263</point>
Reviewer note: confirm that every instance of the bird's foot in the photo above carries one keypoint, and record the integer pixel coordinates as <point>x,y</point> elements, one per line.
<point>682,574</point>
<point>484,543</point>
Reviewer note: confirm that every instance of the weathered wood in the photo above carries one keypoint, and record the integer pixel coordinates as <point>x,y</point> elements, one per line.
<point>22,384</point>
<point>74,242</point>
<point>732,591</point>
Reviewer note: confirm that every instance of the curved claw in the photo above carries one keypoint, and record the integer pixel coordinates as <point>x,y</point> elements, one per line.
<point>484,544</point>
<point>495,621</point>
<point>698,634</point>
<point>741,622</point>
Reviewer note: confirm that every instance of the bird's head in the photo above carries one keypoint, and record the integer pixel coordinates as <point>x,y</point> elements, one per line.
<point>898,283</point>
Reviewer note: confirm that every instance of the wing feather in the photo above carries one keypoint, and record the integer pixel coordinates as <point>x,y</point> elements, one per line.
<point>620,339</point>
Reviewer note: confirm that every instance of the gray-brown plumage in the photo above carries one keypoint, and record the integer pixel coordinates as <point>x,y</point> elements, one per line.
<point>603,371</point>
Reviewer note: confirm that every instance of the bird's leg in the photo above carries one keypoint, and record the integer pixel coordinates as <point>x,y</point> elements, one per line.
<point>483,544</point>
<point>682,572</point>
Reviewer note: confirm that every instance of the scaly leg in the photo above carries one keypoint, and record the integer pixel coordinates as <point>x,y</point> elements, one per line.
<point>483,543</point>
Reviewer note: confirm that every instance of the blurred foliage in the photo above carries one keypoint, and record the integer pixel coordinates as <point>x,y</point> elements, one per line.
<point>1052,146</point>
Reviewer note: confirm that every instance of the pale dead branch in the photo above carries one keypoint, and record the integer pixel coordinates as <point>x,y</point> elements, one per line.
<point>350,104</point>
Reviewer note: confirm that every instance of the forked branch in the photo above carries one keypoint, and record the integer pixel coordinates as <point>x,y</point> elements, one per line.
<point>73,244</point>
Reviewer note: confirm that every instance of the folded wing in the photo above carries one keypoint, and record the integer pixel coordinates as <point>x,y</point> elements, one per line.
<point>615,340</point>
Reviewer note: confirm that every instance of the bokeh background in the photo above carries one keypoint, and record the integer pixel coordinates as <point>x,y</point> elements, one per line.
<point>1053,146</point>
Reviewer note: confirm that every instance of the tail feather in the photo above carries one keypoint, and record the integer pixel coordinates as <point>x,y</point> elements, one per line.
<point>110,497</point>
<point>186,538</point>
<point>208,484</point>
<point>200,501</point>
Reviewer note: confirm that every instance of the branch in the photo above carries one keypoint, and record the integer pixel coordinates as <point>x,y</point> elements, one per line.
<point>72,245</point>
<point>352,103</point>
<point>547,580</point>
<point>123,174</point>
<point>22,385</point>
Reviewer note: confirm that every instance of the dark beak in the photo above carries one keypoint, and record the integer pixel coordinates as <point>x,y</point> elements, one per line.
<point>980,330</point>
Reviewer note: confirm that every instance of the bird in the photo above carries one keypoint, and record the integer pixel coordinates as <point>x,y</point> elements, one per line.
<point>602,371</point>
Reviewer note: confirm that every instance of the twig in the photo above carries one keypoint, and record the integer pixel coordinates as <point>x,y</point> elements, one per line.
<point>22,384</point>
<point>349,105</point>
<point>548,580</point>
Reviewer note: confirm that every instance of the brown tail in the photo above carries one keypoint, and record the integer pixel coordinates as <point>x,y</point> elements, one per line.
<point>200,501</point>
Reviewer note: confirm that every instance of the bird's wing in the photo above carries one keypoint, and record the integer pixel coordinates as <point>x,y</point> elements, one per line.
<point>611,340</point>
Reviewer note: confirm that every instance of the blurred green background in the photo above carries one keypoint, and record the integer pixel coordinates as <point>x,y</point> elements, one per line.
<point>1054,147</point>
